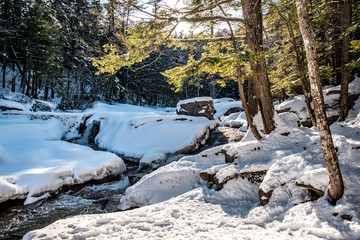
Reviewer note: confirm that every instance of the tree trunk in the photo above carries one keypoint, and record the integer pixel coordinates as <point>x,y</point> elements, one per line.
<point>336,188</point>
<point>46,91</point>
<point>345,74</point>
<point>239,77</point>
<point>4,74</point>
<point>337,43</point>
<point>253,25</point>
<point>13,83</point>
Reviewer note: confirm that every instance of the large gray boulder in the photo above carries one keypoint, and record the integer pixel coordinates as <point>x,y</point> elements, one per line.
<point>198,107</point>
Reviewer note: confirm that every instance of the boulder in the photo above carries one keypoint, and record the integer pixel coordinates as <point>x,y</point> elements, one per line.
<point>198,107</point>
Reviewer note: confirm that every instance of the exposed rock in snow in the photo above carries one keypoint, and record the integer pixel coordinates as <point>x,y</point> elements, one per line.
<point>202,106</point>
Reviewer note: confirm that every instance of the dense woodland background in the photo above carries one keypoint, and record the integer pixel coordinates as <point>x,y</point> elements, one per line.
<point>47,48</point>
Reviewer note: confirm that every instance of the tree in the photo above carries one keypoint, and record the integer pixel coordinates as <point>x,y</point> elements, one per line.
<point>336,188</point>
<point>254,37</point>
<point>345,22</point>
<point>147,36</point>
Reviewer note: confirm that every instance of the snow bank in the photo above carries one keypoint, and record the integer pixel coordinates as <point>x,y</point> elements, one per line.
<point>11,105</point>
<point>223,105</point>
<point>34,162</point>
<point>236,120</point>
<point>146,134</point>
<point>20,102</point>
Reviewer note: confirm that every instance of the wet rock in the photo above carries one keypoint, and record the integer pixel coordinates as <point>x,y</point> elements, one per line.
<point>197,107</point>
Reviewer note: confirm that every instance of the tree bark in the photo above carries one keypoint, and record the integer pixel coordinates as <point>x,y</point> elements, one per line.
<point>345,74</point>
<point>4,74</point>
<point>239,76</point>
<point>253,25</point>
<point>336,188</point>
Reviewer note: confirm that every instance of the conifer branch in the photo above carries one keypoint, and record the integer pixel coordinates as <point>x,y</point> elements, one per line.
<point>203,40</point>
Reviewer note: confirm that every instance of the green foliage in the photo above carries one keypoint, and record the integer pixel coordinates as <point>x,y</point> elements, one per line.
<point>355,50</point>
<point>217,58</point>
<point>143,39</point>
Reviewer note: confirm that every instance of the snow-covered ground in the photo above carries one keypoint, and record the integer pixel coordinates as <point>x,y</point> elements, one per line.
<point>175,203</point>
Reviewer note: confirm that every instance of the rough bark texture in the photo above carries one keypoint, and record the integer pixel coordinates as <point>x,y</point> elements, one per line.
<point>253,25</point>
<point>345,5</point>
<point>336,188</point>
<point>239,75</point>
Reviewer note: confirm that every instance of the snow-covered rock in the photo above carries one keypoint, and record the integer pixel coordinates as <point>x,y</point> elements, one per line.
<point>226,106</point>
<point>201,106</point>
<point>34,161</point>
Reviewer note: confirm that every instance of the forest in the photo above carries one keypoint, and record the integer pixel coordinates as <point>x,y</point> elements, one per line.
<point>54,47</point>
<point>112,72</point>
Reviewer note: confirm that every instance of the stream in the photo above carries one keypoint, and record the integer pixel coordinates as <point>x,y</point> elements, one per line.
<point>96,196</point>
<point>92,197</point>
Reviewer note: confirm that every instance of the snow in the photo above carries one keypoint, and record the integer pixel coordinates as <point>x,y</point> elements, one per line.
<point>235,120</point>
<point>174,203</point>
<point>12,105</point>
<point>222,105</point>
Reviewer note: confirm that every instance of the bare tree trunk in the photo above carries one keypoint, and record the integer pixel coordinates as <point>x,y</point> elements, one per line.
<point>253,25</point>
<point>4,74</point>
<point>46,91</point>
<point>345,74</point>
<point>336,189</point>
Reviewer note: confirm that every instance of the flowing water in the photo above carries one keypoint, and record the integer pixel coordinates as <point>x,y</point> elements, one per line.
<point>93,197</point>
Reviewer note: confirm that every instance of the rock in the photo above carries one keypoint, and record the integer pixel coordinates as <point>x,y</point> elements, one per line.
<point>223,135</point>
<point>251,176</point>
<point>228,158</point>
<point>264,197</point>
<point>232,110</point>
<point>202,106</point>
<point>209,177</point>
